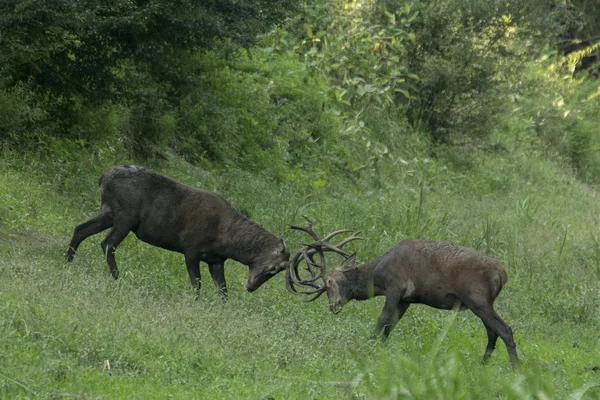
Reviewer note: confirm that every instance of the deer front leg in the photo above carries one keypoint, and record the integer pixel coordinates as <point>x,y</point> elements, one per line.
<point>392,311</point>
<point>95,225</point>
<point>217,272</point>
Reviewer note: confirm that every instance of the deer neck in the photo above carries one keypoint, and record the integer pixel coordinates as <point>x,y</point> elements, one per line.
<point>249,243</point>
<point>360,281</point>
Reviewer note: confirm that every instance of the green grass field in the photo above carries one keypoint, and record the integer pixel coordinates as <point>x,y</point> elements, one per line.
<point>61,323</point>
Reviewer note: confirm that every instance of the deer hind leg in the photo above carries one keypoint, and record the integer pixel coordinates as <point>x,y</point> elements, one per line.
<point>217,271</point>
<point>507,337</point>
<point>109,245</point>
<point>493,322</point>
<point>492,338</point>
<point>100,222</point>
<point>393,310</point>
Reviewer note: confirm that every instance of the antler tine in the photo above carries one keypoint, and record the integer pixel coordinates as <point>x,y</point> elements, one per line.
<point>295,263</point>
<point>309,258</point>
<point>293,275</point>
<point>326,246</point>
<point>317,246</point>
<point>292,289</point>
<point>349,239</point>
<point>322,246</point>
<point>291,271</point>
<point>310,261</point>
<point>332,234</point>
<point>312,285</point>
<point>318,294</point>
<point>308,229</point>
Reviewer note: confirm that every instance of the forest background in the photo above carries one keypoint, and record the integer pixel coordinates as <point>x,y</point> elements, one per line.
<point>474,121</point>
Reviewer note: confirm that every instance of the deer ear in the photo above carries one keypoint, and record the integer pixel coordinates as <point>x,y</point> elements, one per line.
<point>284,246</point>
<point>349,262</point>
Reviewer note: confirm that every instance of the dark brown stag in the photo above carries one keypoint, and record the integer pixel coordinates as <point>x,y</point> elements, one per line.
<point>442,275</point>
<point>168,214</point>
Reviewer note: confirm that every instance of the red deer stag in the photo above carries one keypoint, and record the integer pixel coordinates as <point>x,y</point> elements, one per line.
<point>442,275</point>
<point>200,224</point>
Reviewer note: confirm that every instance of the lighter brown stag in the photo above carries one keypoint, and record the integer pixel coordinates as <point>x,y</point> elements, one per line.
<point>442,275</point>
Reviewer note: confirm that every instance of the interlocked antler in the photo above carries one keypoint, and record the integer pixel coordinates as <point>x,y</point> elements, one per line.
<point>307,254</point>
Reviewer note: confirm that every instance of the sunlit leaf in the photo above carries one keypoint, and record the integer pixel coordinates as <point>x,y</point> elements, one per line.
<point>308,30</point>
<point>404,92</point>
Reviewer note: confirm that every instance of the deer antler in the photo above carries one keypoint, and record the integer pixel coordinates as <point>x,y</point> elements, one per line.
<point>307,254</point>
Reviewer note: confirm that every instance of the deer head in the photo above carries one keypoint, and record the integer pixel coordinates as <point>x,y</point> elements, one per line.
<point>267,266</point>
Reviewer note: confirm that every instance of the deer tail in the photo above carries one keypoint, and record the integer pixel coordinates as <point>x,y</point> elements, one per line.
<point>503,276</point>
<point>501,279</point>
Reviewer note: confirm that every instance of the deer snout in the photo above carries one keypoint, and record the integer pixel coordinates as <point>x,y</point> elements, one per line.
<point>335,307</point>
<point>255,281</point>
<point>251,286</point>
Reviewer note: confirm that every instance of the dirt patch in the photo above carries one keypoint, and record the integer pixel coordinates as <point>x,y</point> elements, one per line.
<point>29,239</point>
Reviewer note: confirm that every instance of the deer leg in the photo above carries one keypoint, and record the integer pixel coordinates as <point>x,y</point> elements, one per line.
<point>507,337</point>
<point>217,271</point>
<point>492,321</point>
<point>109,245</point>
<point>82,231</point>
<point>193,266</point>
<point>401,309</point>
<point>393,310</point>
<point>492,338</point>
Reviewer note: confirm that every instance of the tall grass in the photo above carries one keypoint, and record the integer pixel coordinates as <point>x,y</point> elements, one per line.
<point>61,325</point>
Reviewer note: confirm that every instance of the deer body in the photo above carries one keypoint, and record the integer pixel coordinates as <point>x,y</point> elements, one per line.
<point>442,275</point>
<point>200,224</point>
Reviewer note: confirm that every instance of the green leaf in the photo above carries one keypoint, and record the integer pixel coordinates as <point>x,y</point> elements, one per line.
<point>391,17</point>
<point>412,17</point>
<point>404,92</point>
<point>309,31</point>
<point>364,89</point>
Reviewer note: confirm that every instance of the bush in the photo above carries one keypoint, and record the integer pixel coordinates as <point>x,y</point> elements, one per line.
<point>465,53</point>
<point>19,114</point>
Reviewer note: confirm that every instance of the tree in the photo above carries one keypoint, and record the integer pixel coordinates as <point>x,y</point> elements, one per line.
<point>75,54</point>
<point>464,51</point>
<point>580,37</point>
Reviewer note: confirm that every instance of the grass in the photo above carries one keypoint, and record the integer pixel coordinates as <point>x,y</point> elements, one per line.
<point>60,323</point>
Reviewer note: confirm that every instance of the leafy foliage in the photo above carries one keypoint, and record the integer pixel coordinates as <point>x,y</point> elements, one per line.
<point>579,39</point>
<point>77,55</point>
<point>362,60</point>
<point>466,52</point>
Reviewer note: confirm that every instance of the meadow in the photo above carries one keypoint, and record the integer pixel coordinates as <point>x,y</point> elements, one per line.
<point>462,120</point>
<point>62,325</point>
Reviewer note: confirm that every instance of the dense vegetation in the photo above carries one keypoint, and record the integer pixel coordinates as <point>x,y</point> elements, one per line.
<point>469,121</point>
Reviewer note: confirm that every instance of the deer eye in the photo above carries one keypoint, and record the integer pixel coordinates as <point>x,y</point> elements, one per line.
<point>274,268</point>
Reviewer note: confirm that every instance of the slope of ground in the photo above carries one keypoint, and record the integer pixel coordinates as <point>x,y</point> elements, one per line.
<point>60,323</point>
